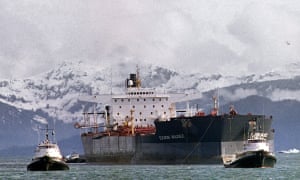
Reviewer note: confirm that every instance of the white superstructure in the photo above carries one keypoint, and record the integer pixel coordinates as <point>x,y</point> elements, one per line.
<point>143,106</point>
<point>257,141</point>
<point>46,148</point>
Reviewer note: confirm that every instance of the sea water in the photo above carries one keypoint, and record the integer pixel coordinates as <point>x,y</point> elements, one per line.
<point>287,167</point>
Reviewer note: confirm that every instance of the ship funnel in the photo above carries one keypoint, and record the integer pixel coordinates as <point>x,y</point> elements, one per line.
<point>133,81</point>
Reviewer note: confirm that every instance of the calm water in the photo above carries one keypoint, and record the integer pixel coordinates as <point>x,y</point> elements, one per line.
<point>287,167</point>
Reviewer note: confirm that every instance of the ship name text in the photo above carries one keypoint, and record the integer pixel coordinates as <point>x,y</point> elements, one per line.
<point>176,136</point>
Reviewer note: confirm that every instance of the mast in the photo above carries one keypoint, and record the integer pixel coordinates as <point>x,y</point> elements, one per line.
<point>47,134</point>
<point>138,80</point>
<point>54,139</point>
<point>215,110</point>
<point>132,121</point>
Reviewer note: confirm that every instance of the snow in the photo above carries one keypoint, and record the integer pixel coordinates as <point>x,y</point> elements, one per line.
<point>40,119</point>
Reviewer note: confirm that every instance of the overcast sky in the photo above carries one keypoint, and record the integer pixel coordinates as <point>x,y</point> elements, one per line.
<point>204,36</point>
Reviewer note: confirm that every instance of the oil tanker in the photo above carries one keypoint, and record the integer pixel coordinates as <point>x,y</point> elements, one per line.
<point>143,126</point>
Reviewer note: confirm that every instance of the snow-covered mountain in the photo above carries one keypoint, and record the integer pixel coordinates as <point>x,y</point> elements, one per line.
<point>61,95</point>
<point>58,91</point>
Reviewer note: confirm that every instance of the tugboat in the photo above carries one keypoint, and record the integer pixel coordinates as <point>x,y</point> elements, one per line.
<point>256,152</point>
<point>47,156</point>
<point>74,158</point>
